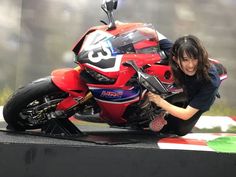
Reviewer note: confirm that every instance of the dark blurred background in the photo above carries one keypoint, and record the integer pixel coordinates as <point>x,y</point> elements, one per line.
<point>37,35</point>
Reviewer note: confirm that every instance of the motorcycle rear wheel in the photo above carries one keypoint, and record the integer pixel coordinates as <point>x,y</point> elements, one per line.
<point>28,106</point>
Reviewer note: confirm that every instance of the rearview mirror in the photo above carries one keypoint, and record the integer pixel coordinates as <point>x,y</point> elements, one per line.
<point>108,6</point>
<point>115,4</point>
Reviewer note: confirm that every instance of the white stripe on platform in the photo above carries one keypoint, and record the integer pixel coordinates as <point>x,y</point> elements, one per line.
<point>184,147</point>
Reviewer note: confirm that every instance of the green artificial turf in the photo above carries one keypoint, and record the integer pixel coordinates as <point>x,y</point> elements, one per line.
<point>223,144</point>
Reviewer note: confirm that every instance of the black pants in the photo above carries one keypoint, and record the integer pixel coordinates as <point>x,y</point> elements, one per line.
<point>180,127</point>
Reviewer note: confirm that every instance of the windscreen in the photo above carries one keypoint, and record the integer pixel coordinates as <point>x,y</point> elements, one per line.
<point>140,40</point>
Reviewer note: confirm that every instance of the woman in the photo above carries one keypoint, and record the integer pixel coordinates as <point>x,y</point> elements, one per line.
<point>198,78</point>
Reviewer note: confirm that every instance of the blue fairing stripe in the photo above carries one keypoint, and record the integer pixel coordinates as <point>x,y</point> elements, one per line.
<point>115,95</point>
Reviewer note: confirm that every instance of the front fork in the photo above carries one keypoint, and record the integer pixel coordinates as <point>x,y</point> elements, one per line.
<point>69,81</point>
<point>70,111</point>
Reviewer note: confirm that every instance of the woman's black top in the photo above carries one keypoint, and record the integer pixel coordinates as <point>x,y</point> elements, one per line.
<point>201,93</point>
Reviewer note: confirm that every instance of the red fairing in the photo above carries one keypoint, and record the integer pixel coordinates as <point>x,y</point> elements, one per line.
<point>112,113</point>
<point>162,72</point>
<point>68,80</point>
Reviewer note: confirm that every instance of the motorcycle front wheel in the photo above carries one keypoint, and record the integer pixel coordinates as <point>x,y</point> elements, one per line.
<point>29,106</point>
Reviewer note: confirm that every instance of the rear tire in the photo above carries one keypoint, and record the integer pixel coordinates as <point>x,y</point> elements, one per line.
<point>18,111</point>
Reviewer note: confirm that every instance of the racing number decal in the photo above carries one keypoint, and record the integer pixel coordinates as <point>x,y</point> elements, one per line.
<point>97,52</point>
<point>99,55</point>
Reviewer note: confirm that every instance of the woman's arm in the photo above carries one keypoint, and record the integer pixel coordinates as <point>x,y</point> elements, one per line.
<point>181,113</point>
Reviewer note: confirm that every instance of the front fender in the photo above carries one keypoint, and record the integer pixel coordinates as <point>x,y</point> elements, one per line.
<point>68,80</point>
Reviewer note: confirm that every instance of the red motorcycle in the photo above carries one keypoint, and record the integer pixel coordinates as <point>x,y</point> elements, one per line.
<point>118,64</point>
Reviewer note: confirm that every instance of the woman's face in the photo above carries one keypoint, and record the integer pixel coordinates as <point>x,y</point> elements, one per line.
<point>188,65</point>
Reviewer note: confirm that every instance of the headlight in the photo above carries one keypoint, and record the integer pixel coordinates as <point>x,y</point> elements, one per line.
<point>99,77</point>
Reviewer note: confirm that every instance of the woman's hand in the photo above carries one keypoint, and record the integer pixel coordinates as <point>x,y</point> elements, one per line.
<point>154,98</point>
<point>179,112</point>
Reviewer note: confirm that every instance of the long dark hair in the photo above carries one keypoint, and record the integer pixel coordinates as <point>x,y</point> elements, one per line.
<point>193,48</point>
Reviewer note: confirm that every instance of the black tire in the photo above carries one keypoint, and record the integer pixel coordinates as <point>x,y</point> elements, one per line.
<point>26,98</point>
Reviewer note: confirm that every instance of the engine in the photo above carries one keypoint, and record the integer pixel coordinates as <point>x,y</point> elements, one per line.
<point>141,113</point>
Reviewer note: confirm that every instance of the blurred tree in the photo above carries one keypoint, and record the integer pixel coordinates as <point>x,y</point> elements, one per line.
<point>33,35</point>
<point>10,13</point>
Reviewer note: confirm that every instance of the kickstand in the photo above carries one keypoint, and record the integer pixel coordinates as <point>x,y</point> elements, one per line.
<point>62,127</point>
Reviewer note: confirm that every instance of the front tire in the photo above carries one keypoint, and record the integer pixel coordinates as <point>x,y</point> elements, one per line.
<point>28,107</point>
